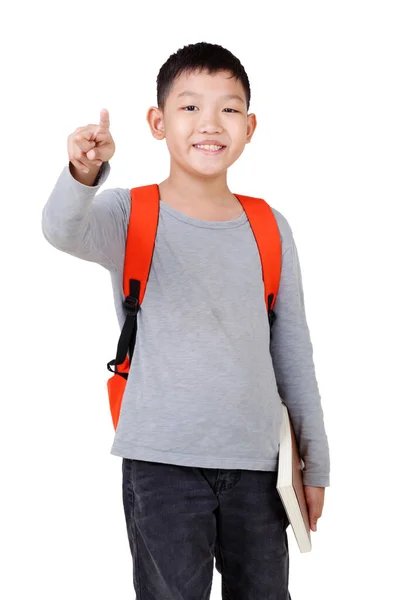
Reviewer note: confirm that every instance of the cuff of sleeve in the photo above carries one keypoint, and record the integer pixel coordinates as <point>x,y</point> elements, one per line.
<point>100,179</point>
<point>316,480</point>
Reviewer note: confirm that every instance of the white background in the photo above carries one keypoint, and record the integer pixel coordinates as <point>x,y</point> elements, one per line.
<point>324,80</point>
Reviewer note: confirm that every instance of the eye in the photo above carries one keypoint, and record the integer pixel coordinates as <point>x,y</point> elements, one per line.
<point>192,106</point>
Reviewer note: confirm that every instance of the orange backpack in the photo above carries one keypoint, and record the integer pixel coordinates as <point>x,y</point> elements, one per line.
<point>141,235</point>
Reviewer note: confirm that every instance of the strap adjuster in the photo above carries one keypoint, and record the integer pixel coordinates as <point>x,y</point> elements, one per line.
<point>131,305</point>
<point>271,317</point>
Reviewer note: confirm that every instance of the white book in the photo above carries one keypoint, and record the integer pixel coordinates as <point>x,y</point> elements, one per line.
<point>290,483</point>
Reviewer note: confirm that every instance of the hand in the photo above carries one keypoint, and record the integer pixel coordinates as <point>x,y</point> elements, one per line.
<point>90,146</point>
<point>315,502</point>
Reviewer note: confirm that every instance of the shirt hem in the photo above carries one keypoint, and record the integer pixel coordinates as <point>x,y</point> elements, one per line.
<point>193,460</point>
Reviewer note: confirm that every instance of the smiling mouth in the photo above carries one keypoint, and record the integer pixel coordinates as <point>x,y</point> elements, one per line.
<point>209,152</point>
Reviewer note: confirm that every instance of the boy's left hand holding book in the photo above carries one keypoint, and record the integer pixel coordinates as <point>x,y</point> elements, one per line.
<point>315,503</point>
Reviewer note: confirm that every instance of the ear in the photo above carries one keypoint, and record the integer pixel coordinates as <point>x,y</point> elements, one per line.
<point>155,120</point>
<point>251,126</point>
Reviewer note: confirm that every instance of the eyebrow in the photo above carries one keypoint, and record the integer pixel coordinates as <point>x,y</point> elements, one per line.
<point>225,97</point>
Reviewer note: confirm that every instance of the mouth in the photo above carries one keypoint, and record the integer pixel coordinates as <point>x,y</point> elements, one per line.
<point>209,152</point>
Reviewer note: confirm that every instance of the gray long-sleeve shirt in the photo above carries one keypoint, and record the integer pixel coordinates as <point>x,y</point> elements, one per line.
<point>205,385</point>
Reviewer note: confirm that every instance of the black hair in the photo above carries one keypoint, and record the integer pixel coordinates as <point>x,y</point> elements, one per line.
<point>210,57</point>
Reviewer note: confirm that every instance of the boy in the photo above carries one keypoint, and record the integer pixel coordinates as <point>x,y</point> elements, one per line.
<point>199,426</point>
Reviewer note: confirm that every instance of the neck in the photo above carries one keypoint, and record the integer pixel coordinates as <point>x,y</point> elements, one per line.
<point>198,190</point>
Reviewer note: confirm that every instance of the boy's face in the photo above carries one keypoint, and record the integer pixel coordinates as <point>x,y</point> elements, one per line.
<point>204,113</point>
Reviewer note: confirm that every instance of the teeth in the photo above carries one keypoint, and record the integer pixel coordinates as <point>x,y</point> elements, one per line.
<point>208,147</point>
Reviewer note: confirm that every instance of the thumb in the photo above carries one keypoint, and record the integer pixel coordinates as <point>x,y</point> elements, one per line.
<point>92,154</point>
<point>99,154</point>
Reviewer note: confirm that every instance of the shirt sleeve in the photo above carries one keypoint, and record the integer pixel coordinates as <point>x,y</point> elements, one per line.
<point>87,225</point>
<point>292,356</point>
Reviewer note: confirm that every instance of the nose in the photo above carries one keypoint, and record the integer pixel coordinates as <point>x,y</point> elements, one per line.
<point>210,128</point>
<point>209,123</point>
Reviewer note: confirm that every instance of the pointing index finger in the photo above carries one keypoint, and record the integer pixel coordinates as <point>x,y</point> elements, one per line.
<point>104,123</point>
<point>104,119</point>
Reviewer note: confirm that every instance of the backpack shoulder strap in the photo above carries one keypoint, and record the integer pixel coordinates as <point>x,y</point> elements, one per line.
<point>139,248</point>
<point>140,239</point>
<point>266,232</point>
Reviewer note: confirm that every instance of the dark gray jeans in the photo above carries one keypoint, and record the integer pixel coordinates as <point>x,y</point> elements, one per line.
<point>180,518</point>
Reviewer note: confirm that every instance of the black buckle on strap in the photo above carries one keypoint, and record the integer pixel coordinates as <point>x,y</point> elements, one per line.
<point>271,317</point>
<point>131,305</point>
